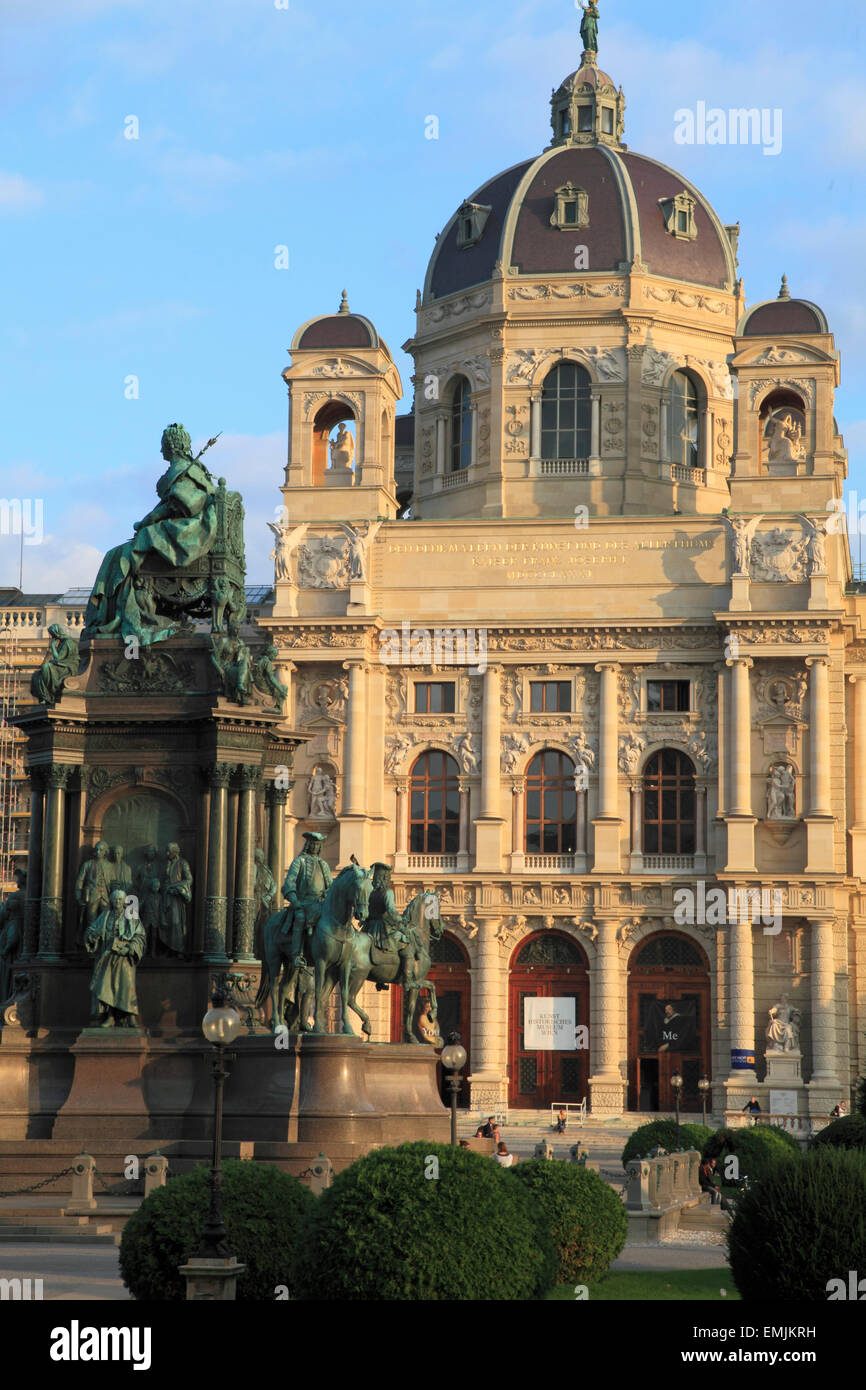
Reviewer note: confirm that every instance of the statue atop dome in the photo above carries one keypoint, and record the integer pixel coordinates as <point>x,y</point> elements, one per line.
<point>589,27</point>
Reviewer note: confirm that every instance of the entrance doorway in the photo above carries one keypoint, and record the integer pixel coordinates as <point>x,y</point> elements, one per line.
<point>548,965</point>
<point>450,976</point>
<point>668,1023</point>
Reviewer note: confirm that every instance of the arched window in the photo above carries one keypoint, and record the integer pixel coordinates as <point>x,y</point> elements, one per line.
<point>669,804</point>
<point>566,413</point>
<point>684,421</point>
<point>783,432</point>
<point>551,804</point>
<point>461,426</point>
<point>434,809</point>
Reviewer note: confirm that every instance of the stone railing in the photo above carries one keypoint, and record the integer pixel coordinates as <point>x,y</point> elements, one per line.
<point>656,1184</point>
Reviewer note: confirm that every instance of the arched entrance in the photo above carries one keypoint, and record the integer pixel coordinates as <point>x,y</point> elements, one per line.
<point>668,1022</point>
<point>450,976</point>
<point>547,965</point>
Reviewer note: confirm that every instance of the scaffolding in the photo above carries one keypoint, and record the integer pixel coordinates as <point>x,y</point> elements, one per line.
<point>11,767</point>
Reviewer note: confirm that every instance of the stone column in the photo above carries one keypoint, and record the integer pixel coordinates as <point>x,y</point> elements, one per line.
<point>245,871</point>
<point>34,863</point>
<point>473,437</point>
<point>277,797</point>
<point>580,834</point>
<point>819,735</point>
<point>535,425</point>
<point>518,846</point>
<point>606,1083</point>
<point>857,832</point>
<point>463,827</point>
<point>607,823</point>
<point>722,691</point>
<point>219,776</point>
<point>664,443</point>
<point>441,426</point>
<point>636,791</point>
<point>488,1078</point>
<point>488,827</point>
<point>401,851</point>
<point>595,425</point>
<point>741,999</point>
<point>823,1001</point>
<point>354,779</point>
<point>51,910</point>
<point>740,820</point>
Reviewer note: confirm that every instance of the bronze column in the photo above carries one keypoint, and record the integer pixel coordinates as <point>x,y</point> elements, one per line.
<point>244,913</point>
<point>51,911</point>
<point>34,863</point>
<point>219,777</point>
<point>278,798</point>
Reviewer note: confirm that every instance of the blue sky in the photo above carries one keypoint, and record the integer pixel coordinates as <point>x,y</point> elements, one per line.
<point>304,126</point>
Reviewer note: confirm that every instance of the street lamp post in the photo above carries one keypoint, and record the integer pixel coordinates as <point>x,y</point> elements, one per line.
<point>453,1059</point>
<point>677,1082</point>
<point>703,1087</point>
<point>220,1026</point>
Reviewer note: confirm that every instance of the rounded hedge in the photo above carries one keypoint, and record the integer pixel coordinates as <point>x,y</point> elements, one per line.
<point>585,1217</point>
<point>757,1149</point>
<point>804,1225</point>
<point>848,1132</point>
<point>262,1210</point>
<point>664,1134</point>
<point>424,1221</point>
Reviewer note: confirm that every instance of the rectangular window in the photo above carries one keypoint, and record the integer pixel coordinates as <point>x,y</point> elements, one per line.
<point>584,118</point>
<point>607,120</point>
<point>668,697</point>
<point>434,697</point>
<point>550,697</point>
<point>570,210</point>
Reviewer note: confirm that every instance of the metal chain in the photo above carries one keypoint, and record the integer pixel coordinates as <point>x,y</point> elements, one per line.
<point>121,1188</point>
<point>34,1187</point>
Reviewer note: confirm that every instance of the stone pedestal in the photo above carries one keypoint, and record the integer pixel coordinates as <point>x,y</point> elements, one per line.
<point>740,600</point>
<point>606,859</point>
<point>784,1070</point>
<point>211,1281</point>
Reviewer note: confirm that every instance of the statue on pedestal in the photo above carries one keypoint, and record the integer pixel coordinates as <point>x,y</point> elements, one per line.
<point>781,786</point>
<point>288,538</point>
<point>265,889</point>
<point>384,924</point>
<point>783,1029</point>
<point>306,883</point>
<point>342,448</point>
<point>93,885</point>
<point>175,898</point>
<point>589,26</point>
<point>118,943</point>
<point>12,913</point>
<point>148,888</point>
<point>323,795</point>
<point>46,684</point>
<point>266,680</point>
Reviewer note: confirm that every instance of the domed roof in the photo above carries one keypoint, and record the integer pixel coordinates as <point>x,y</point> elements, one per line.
<point>628,200</point>
<point>775,317</point>
<point>341,330</point>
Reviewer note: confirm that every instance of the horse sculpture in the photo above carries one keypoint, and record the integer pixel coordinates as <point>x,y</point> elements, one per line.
<point>409,968</point>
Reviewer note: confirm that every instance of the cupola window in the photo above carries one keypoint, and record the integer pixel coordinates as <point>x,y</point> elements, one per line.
<point>566,413</point>
<point>471,221</point>
<point>570,208</point>
<point>679,216</point>
<point>584,118</point>
<point>607,120</point>
<point>684,417</point>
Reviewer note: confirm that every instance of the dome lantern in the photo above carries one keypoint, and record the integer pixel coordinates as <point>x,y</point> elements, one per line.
<point>588,109</point>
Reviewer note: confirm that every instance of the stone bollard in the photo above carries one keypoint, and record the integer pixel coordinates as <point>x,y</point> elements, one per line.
<point>680,1181</point>
<point>155,1173</point>
<point>663,1185</point>
<point>322,1175</point>
<point>577,1154</point>
<point>543,1149</point>
<point>638,1196</point>
<point>83,1168</point>
<point>694,1173</point>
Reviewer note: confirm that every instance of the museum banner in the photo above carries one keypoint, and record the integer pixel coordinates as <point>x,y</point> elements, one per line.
<point>548,1025</point>
<point>671,1026</point>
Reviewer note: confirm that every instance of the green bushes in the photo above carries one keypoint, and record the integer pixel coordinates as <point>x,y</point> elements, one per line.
<point>804,1225</point>
<point>424,1221</point>
<point>262,1209</point>
<point>757,1149</point>
<point>848,1132</point>
<point>585,1217</point>
<point>664,1133</point>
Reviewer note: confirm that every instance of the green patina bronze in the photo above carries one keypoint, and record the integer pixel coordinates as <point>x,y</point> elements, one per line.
<point>118,942</point>
<point>589,26</point>
<point>186,558</point>
<point>46,684</point>
<point>12,913</point>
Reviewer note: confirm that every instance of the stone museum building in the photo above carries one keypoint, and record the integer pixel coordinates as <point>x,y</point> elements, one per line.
<point>577,644</point>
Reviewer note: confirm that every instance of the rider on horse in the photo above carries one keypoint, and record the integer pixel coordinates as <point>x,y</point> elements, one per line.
<point>385,924</point>
<point>305,886</point>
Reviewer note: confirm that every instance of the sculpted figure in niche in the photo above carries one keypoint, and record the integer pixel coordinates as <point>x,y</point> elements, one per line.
<point>121,873</point>
<point>342,448</point>
<point>176,896</point>
<point>323,795</point>
<point>148,890</point>
<point>783,1029</point>
<point>93,885</point>
<point>781,792</point>
<point>784,436</point>
<point>46,684</point>
<point>118,942</point>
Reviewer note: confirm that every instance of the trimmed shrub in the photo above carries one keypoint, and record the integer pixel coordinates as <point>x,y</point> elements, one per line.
<point>757,1149</point>
<point>804,1225</point>
<point>664,1134</point>
<point>848,1132</point>
<point>424,1221</point>
<point>262,1209</point>
<point>585,1217</point>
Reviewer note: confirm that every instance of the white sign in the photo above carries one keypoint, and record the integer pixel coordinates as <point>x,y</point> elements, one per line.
<point>783,1103</point>
<point>548,1025</point>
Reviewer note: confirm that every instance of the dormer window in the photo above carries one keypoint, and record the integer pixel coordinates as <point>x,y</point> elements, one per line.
<point>570,208</point>
<point>679,215</point>
<point>471,221</point>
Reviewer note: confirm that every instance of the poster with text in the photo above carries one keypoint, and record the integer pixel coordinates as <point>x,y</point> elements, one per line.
<point>548,1025</point>
<point>671,1026</point>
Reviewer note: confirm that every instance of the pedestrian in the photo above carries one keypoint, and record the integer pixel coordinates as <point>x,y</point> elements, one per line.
<point>707,1180</point>
<point>753,1107</point>
<point>502,1155</point>
<point>488,1131</point>
<point>561,1121</point>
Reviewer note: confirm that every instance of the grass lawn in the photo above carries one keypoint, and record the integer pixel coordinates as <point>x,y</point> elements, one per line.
<point>685,1285</point>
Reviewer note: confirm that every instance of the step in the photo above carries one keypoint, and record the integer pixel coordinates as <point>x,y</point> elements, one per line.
<point>58,1235</point>
<point>703,1219</point>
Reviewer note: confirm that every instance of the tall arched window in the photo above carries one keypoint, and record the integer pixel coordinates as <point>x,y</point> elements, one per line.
<point>551,804</point>
<point>566,413</point>
<point>684,421</point>
<point>669,804</point>
<point>461,426</point>
<point>434,808</point>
